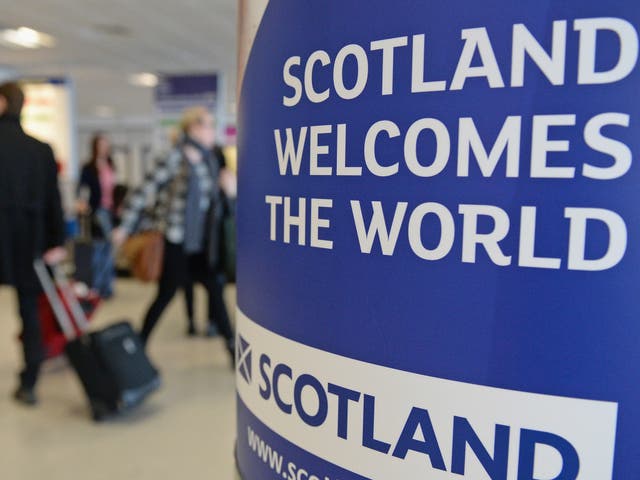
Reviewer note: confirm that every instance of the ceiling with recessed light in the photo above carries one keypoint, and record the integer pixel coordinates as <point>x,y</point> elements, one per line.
<point>101,44</point>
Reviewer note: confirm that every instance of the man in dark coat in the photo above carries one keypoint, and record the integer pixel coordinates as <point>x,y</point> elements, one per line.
<point>31,225</point>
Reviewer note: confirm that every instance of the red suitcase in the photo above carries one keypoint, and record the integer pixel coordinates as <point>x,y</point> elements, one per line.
<point>53,338</point>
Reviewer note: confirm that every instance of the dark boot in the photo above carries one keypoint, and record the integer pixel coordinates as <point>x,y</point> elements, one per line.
<point>191,329</point>
<point>25,396</point>
<point>212,330</point>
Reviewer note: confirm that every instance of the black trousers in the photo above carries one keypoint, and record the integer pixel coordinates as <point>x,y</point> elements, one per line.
<point>178,268</point>
<point>188,301</point>
<point>31,337</point>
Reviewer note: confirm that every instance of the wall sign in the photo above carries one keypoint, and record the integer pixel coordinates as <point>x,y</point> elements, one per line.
<point>49,115</point>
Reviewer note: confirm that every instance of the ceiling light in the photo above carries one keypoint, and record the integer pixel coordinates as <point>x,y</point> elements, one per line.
<point>25,37</point>
<point>144,80</point>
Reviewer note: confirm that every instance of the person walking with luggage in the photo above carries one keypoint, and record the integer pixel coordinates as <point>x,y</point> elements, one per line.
<point>228,186</point>
<point>31,226</point>
<point>187,181</point>
<point>96,201</point>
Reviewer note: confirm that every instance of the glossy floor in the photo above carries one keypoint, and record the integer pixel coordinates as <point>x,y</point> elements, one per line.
<point>187,430</point>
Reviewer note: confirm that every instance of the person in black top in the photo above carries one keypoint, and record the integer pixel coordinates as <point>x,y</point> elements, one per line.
<point>96,202</point>
<point>31,222</point>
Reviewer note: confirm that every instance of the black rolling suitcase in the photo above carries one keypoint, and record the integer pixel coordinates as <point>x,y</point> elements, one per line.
<point>83,252</point>
<point>91,254</point>
<point>111,363</point>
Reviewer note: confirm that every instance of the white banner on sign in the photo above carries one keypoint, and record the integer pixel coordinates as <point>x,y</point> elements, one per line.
<point>389,424</point>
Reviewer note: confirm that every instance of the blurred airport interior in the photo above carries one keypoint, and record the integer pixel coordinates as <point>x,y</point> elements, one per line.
<point>107,85</point>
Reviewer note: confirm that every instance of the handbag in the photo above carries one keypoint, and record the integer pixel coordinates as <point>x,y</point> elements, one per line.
<point>145,252</point>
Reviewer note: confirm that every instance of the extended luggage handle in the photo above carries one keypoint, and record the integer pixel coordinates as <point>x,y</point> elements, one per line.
<point>49,287</point>
<point>71,299</point>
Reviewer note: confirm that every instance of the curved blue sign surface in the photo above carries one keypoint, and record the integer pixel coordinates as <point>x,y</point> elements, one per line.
<point>438,241</point>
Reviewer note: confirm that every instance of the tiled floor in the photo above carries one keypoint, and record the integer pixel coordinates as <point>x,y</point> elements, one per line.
<point>187,430</point>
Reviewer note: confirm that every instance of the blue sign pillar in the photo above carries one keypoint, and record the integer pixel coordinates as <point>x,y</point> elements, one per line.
<point>438,241</point>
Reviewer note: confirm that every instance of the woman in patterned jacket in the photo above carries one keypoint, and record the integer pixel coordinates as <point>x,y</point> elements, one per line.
<point>187,185</point>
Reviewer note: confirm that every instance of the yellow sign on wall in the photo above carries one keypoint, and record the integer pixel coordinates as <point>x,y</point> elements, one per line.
<point>48,116</point>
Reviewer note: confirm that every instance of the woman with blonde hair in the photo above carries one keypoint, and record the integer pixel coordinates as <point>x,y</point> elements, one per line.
<point>187,185</point>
